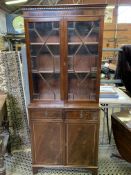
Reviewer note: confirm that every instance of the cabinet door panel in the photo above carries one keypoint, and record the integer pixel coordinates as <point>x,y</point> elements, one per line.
<point>47,142</point>
<point>81,144</point>
<point>44,52</point>
<point>83,36</point>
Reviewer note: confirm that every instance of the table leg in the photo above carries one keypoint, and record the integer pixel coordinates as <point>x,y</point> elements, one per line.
<point>103,131</point>
<point>106,117</point>
<point>107,121</point>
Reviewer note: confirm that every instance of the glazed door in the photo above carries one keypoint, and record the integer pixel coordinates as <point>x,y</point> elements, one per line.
<point>83,59</point>
<point>43,37</point>
<point>47,142</point>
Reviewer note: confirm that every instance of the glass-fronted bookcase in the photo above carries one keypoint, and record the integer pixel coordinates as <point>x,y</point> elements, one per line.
<point>64,48</point>
<point>80,45</point>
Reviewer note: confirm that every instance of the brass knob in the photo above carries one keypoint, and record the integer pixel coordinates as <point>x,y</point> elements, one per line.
<point>81,114</point>
<point>46,113</point>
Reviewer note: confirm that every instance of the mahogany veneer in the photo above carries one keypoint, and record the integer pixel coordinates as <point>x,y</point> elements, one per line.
<point>64,50</point>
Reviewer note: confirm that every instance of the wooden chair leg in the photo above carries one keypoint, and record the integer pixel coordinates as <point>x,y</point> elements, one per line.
<point>35,170</point>
<point>95,172</point>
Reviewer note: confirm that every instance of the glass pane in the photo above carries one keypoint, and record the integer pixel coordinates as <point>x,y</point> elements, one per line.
<point>45,58</point>
<point>82,59</point>
<point>82,64</point>
<point>81,87</point>
<point>46,86</point>
<point>83,31</point>
<point>41,32</point>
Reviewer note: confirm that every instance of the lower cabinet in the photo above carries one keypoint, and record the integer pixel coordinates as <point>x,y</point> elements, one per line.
<point>81,143</point>
<point>65,140</point>
<point>47,142</point>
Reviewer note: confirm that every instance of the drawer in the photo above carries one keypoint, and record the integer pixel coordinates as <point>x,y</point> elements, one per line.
<point>82,114</point>
<point>45,113</point>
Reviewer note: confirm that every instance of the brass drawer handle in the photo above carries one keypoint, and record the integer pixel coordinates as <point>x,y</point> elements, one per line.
<point>87,114</point>
<point>81,115</point>
<point>45,113</point>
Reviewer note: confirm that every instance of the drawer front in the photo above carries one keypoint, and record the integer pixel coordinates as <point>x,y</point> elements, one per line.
<point>45,113</point>
<point>82,114</point>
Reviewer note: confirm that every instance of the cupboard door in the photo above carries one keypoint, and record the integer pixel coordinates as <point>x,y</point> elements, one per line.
<point>83,59</point>
<point>44,63</point>
<point>81,143</point>
<point>47,138</point>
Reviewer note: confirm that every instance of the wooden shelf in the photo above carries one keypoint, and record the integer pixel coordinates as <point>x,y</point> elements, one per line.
<point>79,43</point>
<point>81,72</point>
<point>50,56</point>
<point>44,43</point>
<point>58,72</point>
<point>83,56</point>
<point>73,28</point>
<point>69,43</point>
<point>45,71</point>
